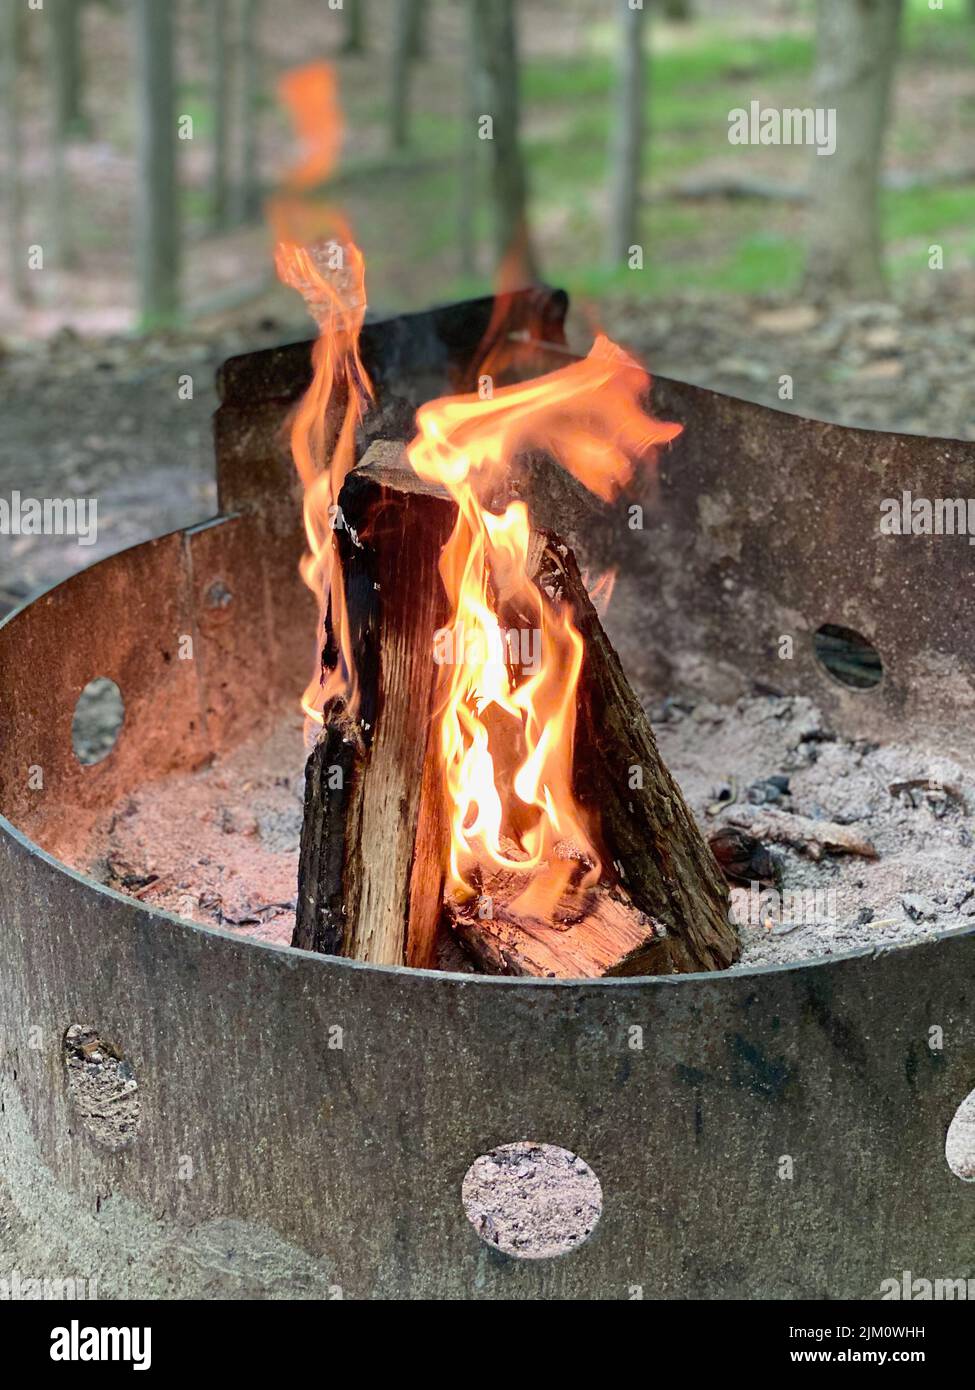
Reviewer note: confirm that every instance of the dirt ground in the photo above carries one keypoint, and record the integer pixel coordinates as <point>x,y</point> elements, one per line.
<point>104,420</point>
<point>905,366</point>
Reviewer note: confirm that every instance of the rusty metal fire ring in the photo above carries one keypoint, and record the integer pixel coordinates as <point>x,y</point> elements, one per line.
<point>311,1168</point>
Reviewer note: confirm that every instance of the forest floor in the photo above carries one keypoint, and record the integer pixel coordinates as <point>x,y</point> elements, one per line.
<point>102,418</point>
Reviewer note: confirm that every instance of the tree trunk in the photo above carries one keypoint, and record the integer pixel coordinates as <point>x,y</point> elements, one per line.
<point>218,109</point>
<point>497,80</point>
<point>469,158</point>
<point>856,49</point>
<point>627,147</point>
<point>417,41</point>
<point>404,28</point>
<point>354,39</point>
<point>158,192</point>
<point>65,22</point>
<point>10,55</point>
<point>60,37</point>
<point>249,190</point>
<point>375,837</point>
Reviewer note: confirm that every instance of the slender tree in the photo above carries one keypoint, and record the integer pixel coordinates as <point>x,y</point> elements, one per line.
<point>354,38</point>
<point>497,85</point>
<point>626,156</point>
<point>218,109</point>
<point>249,191</point>
<point>10,54</point>
<point>856,51</point>
<point>59,239</point>
<point>66,49</point>
<point>417,41</point>
<point>404,38</point>
<point>468,157</point>
<point>158,190</point>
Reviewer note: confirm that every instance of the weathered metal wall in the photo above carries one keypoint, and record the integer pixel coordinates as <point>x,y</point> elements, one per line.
<point>351,1159</point>
<point>769,525</point>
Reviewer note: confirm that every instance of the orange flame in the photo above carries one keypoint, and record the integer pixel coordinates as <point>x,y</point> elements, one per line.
<point>311,95</point>
<point>331,278</point>
<point>330,275</point>
<point>517,689</point>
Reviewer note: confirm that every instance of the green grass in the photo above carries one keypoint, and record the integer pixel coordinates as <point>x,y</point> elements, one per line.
<point>672,74</point>
<point>756,263</point>
<point>925,212</point>
<point>946,35</point>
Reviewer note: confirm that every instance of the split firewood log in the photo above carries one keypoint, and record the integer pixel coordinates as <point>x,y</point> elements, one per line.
<point>364,843</point>
<point>375,836</point>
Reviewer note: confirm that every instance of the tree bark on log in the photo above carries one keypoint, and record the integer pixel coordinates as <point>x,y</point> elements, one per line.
<point>364,782</point>
<point>645,826</point>
<point>374,846</point>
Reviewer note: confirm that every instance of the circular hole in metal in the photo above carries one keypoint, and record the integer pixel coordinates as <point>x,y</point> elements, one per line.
<point>218,595</point>
<point>848,656</point>
<point>532,1200</point>
<point>960,1143</point>
<point>102,1085</point>
<point>98,719</point>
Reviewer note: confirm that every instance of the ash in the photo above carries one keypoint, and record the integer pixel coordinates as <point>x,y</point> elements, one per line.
<point>532,1200</point>
<point>768,760</point>
<point>103,1087</point>
<point>218,846</point>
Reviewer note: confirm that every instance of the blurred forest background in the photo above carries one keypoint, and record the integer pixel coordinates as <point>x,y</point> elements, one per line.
<point>143,138</point>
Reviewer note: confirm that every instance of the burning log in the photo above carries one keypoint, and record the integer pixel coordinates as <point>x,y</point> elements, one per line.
<point>599,932</point>
<point>372,863</point>
<point>646,830</point>
<point>364,841</point>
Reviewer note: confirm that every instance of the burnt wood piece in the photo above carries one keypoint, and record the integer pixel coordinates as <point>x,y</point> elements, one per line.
<point>601,933</point>
<point>361,846</point>
<point>743,858</point>
<point>812,837</point>
<point>652,850</point>
<point>333,797</point>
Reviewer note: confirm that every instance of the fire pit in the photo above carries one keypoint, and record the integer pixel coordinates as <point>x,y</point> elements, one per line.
<point>304,1122</point>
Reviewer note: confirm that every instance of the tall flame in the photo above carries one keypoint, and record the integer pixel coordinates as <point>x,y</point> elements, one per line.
<point>507,724</point>
<point>330,275</point>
